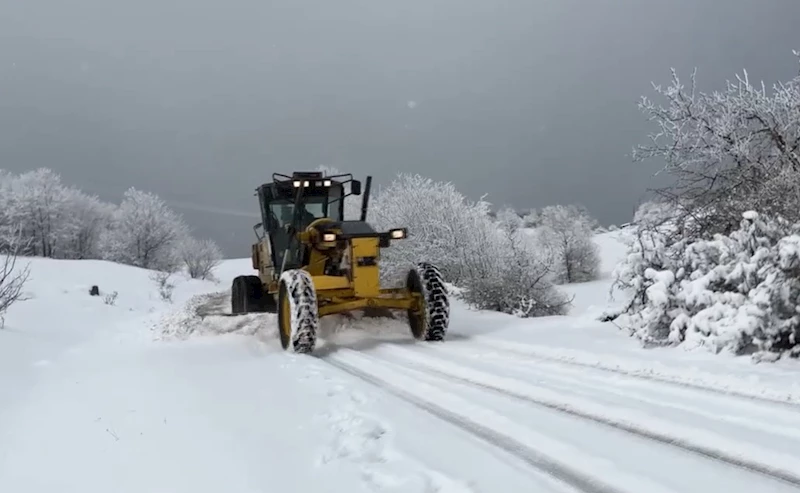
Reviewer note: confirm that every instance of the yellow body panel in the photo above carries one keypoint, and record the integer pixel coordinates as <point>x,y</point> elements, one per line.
<point>366,277</point>
<point>326,283</point>
<point>406,302</point>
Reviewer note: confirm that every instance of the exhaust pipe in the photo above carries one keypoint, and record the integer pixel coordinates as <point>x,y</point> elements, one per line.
<point>365,199</point>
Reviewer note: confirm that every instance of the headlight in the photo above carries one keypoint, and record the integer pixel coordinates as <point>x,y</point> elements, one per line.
<point>329,237</point>
<point>326,183</point>
<point>397,234</point>
<point>297,184</point>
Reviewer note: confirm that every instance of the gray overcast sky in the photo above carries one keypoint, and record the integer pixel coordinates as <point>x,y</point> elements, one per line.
<point>530,101</point>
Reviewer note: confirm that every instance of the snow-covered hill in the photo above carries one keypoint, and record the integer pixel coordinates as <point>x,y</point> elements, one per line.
<point>150,396</point>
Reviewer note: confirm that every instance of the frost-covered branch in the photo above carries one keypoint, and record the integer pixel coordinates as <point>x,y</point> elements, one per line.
<point>12,276</point>
<point>728,151</point>
<point>498,266</point>
<point>200,257</point>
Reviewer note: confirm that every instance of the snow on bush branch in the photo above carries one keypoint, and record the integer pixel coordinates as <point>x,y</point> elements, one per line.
<point>12,276</point>
<point>498,266</point>
<point>739,292</point>
<point>58,221</point>
<point>728,151</point>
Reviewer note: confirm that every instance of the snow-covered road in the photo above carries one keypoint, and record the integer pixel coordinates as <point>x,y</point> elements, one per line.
<point>594,431</point>
<point>90,403</point>
<point>378,412</point>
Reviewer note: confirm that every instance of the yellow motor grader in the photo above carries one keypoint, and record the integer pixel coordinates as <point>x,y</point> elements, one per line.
<point>311,262</point>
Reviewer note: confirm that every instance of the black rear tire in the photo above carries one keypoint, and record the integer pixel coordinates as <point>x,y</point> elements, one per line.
<point>255,297</point>
<point>249,296</point>
<point>236,296</point>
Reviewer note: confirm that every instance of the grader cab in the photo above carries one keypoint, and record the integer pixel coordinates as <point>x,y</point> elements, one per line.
<point>311,262</point>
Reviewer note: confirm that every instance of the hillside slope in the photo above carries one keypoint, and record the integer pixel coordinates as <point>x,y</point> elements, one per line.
<point>89,402</point>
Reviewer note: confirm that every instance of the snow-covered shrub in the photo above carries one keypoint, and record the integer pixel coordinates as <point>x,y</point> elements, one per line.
<point>144,232</point>
<point>12,276</point>
<point>513,273</point>
<point>110,298</point>
<point>200,257</point>
<point>492,261</point>
<point>569,231</point>
<point>728,151</point>
<point>441,224</point>
<point>653,213</point>
<point>163,285</point>
<point>739,292</point>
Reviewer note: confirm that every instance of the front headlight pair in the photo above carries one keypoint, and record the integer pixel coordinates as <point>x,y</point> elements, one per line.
<point>395,234</point>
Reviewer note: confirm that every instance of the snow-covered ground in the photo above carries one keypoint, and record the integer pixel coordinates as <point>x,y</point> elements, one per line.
<point>150,396</point>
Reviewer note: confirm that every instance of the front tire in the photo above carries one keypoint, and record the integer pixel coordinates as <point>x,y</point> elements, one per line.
<point>298,316</point>
<point>432,319</point>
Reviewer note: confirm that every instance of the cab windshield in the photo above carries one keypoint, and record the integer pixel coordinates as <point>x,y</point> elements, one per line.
<point>312,208</point>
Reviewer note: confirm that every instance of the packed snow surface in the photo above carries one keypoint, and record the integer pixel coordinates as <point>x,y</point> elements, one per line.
<point>145,395</point>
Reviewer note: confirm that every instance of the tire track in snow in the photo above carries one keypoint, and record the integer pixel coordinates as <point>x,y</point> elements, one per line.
<point>705,382</point>
<point>770,464</point>
<point>539,451</point>
<point>365,441</point>
<point>775,420</point>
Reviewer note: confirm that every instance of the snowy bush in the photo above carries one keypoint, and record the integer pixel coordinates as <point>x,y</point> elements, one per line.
<point>12,276</point>
<point>163,285</point>
<point>144,232</point>
<point>510,273</point>
<point>739,292</point>
<point>569,231</point>
<point>110,298</point>
<point>200,257</point>
<point>441,221</point>
<point>498,269</point>
<point>727,152</point>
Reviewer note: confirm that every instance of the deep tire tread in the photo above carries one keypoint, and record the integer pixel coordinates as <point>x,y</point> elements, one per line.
<point>437,302</point>
<point>304,317</point>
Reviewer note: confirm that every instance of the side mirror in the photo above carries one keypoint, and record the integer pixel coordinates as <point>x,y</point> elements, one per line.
<point>355,187</point>
<point>259,235</point>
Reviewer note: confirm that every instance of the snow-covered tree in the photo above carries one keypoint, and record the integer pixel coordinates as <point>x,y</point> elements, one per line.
<point>144,232</point>
<point>88,218</point>
<point>728,151</point>
<point>509,220</point>
<point>569,230</point>
<point>38,202</point>
<point>532,219</point>
<point>200,257</point>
